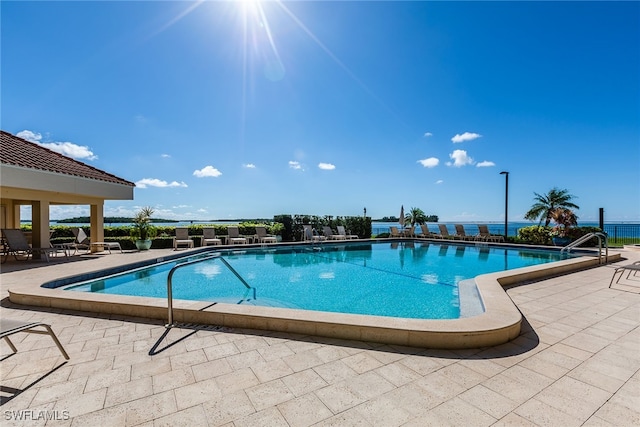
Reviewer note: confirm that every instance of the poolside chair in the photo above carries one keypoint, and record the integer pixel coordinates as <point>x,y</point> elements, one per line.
<point>9,327</point>
<point>629,268</point>
<point>444,231</point>
<point>263,237</point>
<point>310,234</point>
<point>234,236</point>
<point>485,236</point>
<point>424,231</point>
<point>15,243</point>
<point>409,231</point>
<point>182,238</point>
<point>461,233</point>
<point>209,237</point>
<point>347,235</point>
<point>329,234</point>
<point>81,241</point>
<point>394,232</point>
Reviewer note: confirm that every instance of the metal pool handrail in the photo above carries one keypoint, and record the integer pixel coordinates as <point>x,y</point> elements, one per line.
<point>601,237</point>
<point>184,264</point>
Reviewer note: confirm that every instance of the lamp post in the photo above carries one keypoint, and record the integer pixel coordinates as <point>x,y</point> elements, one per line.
<point>506,201</point>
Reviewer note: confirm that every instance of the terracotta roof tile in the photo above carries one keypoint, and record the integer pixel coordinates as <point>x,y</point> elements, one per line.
<point>20,152</point>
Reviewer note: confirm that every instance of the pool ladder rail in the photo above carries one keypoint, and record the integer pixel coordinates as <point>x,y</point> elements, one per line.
<point>601,237</point>
<point>170,323</point>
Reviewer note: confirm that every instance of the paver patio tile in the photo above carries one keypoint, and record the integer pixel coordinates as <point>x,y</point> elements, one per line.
<point>514,420</point>
<point>237,380</point>
<point>129,391</point>
<point>197,393</point>
<point>618,415</point>
<point>397,373</point>
<point>488,401</point>
<point>108,378</point>
<point>155,366</point>
<point>335,371</point>
<point>383,411</point>
<point>544,415</point>
<point>304,411</point>
<point>362,362</point>
<point>79,404</point>
<point>457,412</point>
<point>269,417</point>
<point>269,394</point>
<point>190,417</point>
<point>172,379</point>
<point>275,351</point>
<point>149,408</point>
<point>303,382</point>
<point>187,359</point>
<point>304,360</point>
<point>245,360</point>
<point>214,368</point>
<point>231,406</point>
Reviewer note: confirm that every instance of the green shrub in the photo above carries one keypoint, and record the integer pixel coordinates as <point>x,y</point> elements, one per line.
<point>535,235</point>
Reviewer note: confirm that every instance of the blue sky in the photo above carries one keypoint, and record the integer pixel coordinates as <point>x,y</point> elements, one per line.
<point>222,110</point>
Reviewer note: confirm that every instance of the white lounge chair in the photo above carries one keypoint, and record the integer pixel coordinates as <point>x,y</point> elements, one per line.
<point>182,238</point>
<point>329,234</point>
<point>209,237</point>
<point>310,234</point>
<point>234,236</point>
<point>347,235</point>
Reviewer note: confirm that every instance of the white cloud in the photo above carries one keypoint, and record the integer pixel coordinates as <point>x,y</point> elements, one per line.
<point>440,181</point>
<point>295,165</point>
<point>326,166</point>
<point>485,164</point>
<point>467,136</point>
<point>68,149</point>
<point>460,158</point>
<point>431,162</point>
<point>427,134</point>
<point>249,166</point>
<point>165,156</point>
<point>206,172</point>
<point>155,182</point>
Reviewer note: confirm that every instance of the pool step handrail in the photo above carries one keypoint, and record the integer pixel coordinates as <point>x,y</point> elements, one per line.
<point>170,322</point>
<point>600,236</point>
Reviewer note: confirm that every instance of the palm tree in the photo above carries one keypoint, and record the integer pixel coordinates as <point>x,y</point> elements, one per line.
<point>546,204</point>
<point>416,216</point>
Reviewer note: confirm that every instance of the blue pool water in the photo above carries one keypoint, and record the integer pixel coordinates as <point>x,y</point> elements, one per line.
<point>398,279</point>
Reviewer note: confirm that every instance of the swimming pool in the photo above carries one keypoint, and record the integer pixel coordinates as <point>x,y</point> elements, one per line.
<point>404,279</point>
<point>499,322</point>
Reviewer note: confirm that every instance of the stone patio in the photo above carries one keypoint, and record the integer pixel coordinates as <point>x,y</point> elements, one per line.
<point>575,363</point>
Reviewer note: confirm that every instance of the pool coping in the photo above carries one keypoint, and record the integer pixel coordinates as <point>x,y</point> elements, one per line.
<point>499,324</point>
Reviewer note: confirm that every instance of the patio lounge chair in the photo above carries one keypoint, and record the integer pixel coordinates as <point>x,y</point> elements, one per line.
<point>209,237</point>
<point>234,236</point>
<point>329,234</point>
<point>486,236</point>
<point>444,231</point>
<point>263,237</point>
<point>424,232</point>
<point>310,234</point>
<point>81,241</point>
<point>394,232</point>
<point>182,238</point>
<point>341,230</point>
<point>410,231</point>
<point>15,243</point>
<point>9,327</point>
<point>635,268</point>
<point>461,233</point>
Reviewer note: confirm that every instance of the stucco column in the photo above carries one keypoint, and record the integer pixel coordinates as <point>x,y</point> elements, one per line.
<point>97,226</point>
<point>40,225</point>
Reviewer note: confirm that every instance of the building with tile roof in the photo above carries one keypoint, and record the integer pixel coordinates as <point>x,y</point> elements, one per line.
<point>31,174</point>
